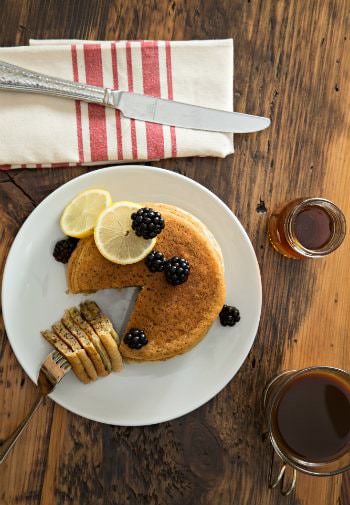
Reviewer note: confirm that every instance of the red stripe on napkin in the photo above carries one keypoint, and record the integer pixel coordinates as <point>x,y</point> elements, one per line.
<point>151,86</point>
<point>131,88</point>
<point>77,105</point>
<point>117,112</point>
<point>169,72</point>
<point>97,115</point>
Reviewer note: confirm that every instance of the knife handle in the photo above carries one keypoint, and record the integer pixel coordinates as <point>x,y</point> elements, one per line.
<point>13,78</point>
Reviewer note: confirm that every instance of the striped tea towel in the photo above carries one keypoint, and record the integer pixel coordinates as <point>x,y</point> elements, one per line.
<point>40,131</point>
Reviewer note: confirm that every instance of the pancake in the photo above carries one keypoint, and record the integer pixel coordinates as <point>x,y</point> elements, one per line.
<point>85,343</point>
<point>73,357</point>
<point>174,318</point>
<point>104,330</point>
<point>92,336</point>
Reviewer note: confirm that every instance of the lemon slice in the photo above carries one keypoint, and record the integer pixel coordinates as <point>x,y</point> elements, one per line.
<point>80,215</point>
<point>115,238</point>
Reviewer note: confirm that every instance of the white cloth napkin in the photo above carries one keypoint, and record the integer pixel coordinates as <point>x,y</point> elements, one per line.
<point>38,131</point>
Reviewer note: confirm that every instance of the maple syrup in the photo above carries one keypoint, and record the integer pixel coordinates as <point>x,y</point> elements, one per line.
<point>307,228</point>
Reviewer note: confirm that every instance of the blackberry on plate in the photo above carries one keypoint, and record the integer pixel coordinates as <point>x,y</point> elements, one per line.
<point>229,315</point>
<point>155,261</point>
<point>64,248</point>
<point>177,270</point>
<point>135,338</point>
<point>147,223</point>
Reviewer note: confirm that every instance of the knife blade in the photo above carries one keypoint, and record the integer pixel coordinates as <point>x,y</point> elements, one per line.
<point>132,105</point>
<point>183,115</point>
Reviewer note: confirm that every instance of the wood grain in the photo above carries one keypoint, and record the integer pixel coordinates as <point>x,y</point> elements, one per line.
<point>292,63</point>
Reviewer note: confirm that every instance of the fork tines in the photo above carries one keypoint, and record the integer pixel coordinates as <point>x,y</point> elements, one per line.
<point>59,359</point>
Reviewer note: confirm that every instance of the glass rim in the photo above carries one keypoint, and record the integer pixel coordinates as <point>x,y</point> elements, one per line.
<point>300,464</point>
<point>334,242</point>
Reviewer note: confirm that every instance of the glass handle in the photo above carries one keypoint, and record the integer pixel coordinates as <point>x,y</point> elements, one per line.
<point>280,479</point>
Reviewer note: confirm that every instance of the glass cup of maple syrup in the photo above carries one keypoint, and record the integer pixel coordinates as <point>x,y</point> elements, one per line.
<point>307,228</point>
<point>308,415</point>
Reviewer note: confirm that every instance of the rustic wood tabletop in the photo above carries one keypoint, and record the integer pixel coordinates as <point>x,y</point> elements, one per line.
<point>292,63</point>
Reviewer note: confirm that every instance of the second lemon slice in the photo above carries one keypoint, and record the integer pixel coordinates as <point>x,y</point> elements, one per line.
<point>115,238</point>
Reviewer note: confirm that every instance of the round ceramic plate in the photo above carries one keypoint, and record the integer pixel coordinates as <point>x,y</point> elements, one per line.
<point>34,295</point>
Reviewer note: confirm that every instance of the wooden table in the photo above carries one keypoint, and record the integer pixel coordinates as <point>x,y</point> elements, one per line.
<point>292,63</point>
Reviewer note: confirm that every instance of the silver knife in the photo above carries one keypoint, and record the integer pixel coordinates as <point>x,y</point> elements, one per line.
<point>132,105</point>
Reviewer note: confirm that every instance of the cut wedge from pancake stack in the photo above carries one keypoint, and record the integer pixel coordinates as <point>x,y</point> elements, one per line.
<point>105,331</point>
<point>85,343</point>
<point>93,337</point>
<point>90,344</point>
<point>73,357</point>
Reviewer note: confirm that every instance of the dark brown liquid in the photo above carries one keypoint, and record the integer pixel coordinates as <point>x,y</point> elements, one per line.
<point>312,417</point>
<point>313,227</point>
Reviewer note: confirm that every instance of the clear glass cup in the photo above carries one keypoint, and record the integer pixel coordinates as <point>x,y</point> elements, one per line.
<point>272,395</point>
<point>283,234</point>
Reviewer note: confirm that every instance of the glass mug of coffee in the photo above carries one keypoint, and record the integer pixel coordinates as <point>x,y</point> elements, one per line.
<point>308,415</point>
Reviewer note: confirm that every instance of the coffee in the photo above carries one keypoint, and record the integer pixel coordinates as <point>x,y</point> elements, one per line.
<point>311,416</point>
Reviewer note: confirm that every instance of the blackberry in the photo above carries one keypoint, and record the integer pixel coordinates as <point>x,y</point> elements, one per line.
<point>147,223</point>
<point>155,261</point>
<point>177,270</point>
<point>64,248</point>
<point>135,339</point>
<point>229,316</point>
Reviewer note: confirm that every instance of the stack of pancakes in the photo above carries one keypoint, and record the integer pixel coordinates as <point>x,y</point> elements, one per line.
<point>174,318</point>
<point>88,341</point>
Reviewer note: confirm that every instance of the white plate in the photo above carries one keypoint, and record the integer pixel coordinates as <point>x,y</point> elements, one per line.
<point>34,296</point>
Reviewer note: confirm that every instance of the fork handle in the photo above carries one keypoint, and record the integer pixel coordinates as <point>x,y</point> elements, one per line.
<point>9,443</point>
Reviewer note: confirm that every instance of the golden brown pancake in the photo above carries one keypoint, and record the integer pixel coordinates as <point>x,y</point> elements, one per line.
<point>73,357</point>
<point>174,318</point>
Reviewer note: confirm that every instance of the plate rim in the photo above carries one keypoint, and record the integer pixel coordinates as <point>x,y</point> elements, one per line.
<point>159,171</point>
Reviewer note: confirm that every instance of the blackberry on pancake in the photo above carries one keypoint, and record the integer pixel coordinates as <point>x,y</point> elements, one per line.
<point>156,261</point>
<point>177,271</point>
<point>147,223</point>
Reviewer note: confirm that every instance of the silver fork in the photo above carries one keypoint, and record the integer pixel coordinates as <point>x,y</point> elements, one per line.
<point>52,371</point>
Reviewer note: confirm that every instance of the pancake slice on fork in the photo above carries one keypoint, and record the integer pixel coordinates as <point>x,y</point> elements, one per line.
<point>73,343</point>
<point>103,331</point>
<point>95,312</point>
<point>92,335</point>
<point>84,341</point>
<point>72,356</point>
